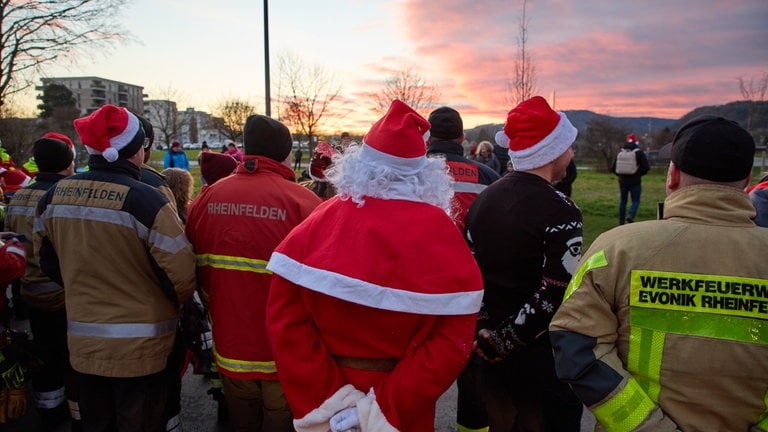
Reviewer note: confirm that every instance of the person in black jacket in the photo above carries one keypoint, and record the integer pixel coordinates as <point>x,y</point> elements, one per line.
<point>630,183</point>
<point>526,237</point>
<point>446,135</point>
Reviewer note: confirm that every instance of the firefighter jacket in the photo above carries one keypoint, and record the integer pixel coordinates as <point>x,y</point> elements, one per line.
<point>37,288</point>
<point>153,178</point>
<point>118,248</point>
<point>234,225</point>
<point>665,324</point>
<point>470,177</point>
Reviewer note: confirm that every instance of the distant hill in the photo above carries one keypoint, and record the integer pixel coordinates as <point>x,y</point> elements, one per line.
<point>737,111</point>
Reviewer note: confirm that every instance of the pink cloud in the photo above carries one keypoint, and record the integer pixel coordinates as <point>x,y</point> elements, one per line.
<point>646,59</point>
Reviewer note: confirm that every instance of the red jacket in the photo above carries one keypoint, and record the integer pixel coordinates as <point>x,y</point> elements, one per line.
<point>13,262</point>
<point>234,225</point>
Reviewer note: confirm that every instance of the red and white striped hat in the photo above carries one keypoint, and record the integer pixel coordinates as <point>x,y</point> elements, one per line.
<point>398,139</point>
<point>535,134</point>
<point>111,131</point>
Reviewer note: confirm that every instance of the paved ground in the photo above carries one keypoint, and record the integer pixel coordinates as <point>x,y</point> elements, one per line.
<point>199,412</point>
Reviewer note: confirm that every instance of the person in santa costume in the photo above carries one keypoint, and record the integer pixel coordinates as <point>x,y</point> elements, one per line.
<point>374,297</point>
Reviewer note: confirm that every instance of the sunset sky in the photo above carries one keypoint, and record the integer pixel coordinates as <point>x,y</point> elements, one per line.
<point>621,58</point>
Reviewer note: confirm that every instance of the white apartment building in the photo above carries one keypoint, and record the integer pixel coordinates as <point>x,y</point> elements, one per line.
<point>92,92</point>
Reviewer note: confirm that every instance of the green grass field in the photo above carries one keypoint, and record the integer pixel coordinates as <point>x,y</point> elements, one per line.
<point>596,193</point>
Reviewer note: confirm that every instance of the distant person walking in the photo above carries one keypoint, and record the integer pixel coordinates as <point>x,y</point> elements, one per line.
<point>297,158</point>
<point>630,165</point>
<point>176,158</point>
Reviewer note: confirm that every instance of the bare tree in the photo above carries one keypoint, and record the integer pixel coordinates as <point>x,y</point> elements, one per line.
<point>601,140</point>
<point>229,118</point>
<point>522,85</point>
<point>36,32</point>
<point>753,91</point>
<point>164,116</point>
<point>409,86</point>
<point>305,94</point>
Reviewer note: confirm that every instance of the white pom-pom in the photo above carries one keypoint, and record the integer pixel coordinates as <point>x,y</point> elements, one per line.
<point>502,139</point>
<point>110,154</point>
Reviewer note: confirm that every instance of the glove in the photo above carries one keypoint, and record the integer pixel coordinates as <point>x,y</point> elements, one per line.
<point>345,421</point>
<point>488,346</point>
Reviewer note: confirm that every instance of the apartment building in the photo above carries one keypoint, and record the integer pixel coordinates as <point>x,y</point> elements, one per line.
<point>92,92</point>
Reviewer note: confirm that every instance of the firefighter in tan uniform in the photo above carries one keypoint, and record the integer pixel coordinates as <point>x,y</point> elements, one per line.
<point>117,247</point>
<point>665,324</point>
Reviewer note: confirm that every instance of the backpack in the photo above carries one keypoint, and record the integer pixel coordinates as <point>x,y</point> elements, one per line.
<point>626,162</point>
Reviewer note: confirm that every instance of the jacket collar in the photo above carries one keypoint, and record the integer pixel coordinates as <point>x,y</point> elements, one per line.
<point>445,147</point>
<point>98,163</point>
<point>253,164</point>
<point>710,204</point>
<point>48,177</point>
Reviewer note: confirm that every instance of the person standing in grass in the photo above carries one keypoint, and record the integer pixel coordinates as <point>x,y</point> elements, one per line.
<point>630,165</point>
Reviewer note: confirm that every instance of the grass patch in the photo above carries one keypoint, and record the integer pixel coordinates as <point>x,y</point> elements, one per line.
<point>596,193</point>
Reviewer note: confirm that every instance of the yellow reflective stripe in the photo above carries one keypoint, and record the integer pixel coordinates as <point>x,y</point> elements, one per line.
<point>461,428</point>
<point>244,366</point>
<point>625,410</point>
<point>762,424</point>
<point>689,292</point>
<point>233,263</point>
<point>646,347</point>
<point>595,261</point>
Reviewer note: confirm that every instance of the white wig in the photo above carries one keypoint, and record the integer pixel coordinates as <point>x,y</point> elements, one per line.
<point>356,176</point>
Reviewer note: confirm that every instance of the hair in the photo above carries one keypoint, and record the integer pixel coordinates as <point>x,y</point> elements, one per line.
<point>356,178</point>
<point>482,145</point>
<point>182,185</point>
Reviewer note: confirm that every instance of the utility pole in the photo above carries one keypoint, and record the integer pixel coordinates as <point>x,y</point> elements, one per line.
<point>268,111</point>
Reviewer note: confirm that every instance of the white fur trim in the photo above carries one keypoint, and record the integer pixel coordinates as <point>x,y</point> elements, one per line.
<point>317,419</point>
<point>110,154</point>
<point>372,295</point>
<point>370,415</point>
<point>127,135</point>
<point>502,139</point>
<point>16,250</point>
<point>546,150</point>
<point>403,166</point>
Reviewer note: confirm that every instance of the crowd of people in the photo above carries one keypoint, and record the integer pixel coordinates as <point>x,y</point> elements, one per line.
<point>352,300</point>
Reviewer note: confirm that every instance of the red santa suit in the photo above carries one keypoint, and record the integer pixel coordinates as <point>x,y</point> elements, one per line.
<point>377,299</point>
<point>13,262</point>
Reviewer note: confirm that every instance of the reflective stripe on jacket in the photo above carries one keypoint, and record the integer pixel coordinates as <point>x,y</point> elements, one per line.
<point>234,225</point>
<point>119,249</point>
<point>665,324</point>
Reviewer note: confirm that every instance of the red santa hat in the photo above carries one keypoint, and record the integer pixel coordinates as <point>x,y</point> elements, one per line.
<point>398,140</point>
<point>321,160</point>
<point>631,138</point>
<point>111,131</point>
<point>14,179</point>
<point>535,134</point>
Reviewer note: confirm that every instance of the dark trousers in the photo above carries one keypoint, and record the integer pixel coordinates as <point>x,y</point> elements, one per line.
<point>526,405</point>
<point>471,414</point>
<point>257,405</point>
<point>634,193</point>
<point>123,404</point>
<point>53,382</point>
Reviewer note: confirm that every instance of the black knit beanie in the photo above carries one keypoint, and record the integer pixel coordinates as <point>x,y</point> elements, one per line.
<point>264,136</point>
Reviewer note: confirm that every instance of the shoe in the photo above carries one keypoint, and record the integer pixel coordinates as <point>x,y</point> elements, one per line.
<point>630,220</point>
